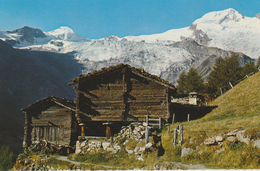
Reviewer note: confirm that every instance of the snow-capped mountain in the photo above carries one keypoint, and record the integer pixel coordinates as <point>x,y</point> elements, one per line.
<point>225,29</point>
<point>216,33</point>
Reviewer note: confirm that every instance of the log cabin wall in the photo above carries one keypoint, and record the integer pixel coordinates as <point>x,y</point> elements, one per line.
<point>51,122</point>
<point>101,97</point>
<point>146,97</point>
<point>122,96</point>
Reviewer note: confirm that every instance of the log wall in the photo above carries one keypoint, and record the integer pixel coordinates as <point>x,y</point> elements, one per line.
<point>54,124</point>
<point>122,97</point>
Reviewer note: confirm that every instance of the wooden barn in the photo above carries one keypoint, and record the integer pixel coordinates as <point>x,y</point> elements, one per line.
<point>120,94</point>
<point>106,100</point>
<point>52,119</point>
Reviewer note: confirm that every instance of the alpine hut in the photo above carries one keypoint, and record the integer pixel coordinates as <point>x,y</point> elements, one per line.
<point>51,119</point>
<point>120,94</point>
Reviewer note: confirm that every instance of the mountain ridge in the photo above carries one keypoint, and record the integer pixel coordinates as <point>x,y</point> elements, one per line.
<point>227,30</point>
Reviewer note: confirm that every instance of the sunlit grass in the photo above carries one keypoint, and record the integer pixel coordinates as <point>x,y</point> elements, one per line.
<point>238,108</point>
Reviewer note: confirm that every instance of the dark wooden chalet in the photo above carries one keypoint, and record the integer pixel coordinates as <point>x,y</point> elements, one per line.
<point>52,119</point>
<point>121,93</point>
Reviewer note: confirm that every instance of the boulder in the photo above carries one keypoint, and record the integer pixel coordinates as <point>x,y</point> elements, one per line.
<point>117,147</point>
<point>137,128</point>
<point>135,132</point>
<point>219,138</point>
<point>256,143</point>
<point>142,149</point>
<point>111,150</point>
<point>240,137</point>
<point>105,145</point>
<point>232,139</point>
<point>185,151</point>
<point>136,149</point>
<point>210,141</point>
<point>126,141</point>
<point>220,150</point>
<point>233,133</point>
<point>78,149</point>
<point>83,144</point>
<point>148,145</point>
<point>140,158</point>
<point>129,151</point>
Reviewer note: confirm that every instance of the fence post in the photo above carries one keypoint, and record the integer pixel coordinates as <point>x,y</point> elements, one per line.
<point>181,134</point>
<point>160,122</point>
<point>173,118</point>
<point>175,137</point>
<point>147,130</point>
<point>230,85</point>
<point>146,135</point>
<point>188,118</point>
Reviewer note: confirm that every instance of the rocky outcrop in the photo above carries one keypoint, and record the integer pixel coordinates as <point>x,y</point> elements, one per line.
<point>134,131</point>
<point>86,146</point>
<point>29,34</point>
<point>185,151</point>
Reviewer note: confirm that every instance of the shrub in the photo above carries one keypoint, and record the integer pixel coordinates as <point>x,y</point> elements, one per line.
<point>235,146</point>
<point>64,165</point>
<point>95,157</point>
<point>7,158</point>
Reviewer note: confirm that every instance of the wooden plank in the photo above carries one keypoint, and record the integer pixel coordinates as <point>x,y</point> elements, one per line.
<point>156,81</point>
<point>154,119</point>
<point>153,107</point>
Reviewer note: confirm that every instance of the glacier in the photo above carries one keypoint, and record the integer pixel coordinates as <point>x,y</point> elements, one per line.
<point>159,54</point>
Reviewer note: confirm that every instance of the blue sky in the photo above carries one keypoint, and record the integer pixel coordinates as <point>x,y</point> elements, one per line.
<point>100,18</point>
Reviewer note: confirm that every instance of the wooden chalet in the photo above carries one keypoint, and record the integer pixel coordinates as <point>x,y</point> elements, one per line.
<point>52,119</point>
<point>120,93</point>
<point>106,100</point>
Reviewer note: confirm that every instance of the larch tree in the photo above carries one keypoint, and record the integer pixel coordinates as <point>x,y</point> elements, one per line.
<point>181,87</point>
<point>249,68</point>
<point>224,71</point>
<point>194,81</point>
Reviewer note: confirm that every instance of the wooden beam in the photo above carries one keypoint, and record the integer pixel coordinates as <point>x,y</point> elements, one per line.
<point>58,103</point>
<point>151,79</point>
<point>168,102</point>
<point>82,129</point>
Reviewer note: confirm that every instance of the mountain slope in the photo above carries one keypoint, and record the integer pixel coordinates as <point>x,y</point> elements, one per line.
<point>238,111</point>
<point>166,55</point>
<point>226,29</point>
<point>26,77</point>
<point>239,107</point>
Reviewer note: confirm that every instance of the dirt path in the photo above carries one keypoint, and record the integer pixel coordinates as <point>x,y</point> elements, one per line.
<point>190,166</point>
<point>179,164</point>
<point>65,158</point>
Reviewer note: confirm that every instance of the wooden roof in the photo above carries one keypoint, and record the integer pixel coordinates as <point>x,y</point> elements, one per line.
<point>69,104</point>
<point>123,67</point>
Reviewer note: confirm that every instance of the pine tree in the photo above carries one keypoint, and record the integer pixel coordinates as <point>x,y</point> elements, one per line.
<point>181,87</point>
<point>249,68</point>
<point>216,76</point>
<point>194,81</point>
<point>224,71</point>
<point>7,158</point>
<point>258,63</point>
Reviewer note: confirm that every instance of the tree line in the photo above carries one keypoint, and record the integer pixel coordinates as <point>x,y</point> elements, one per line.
<point>225,70</point>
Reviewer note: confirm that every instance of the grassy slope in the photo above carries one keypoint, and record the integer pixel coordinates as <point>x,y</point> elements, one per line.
<point>238,108</point>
